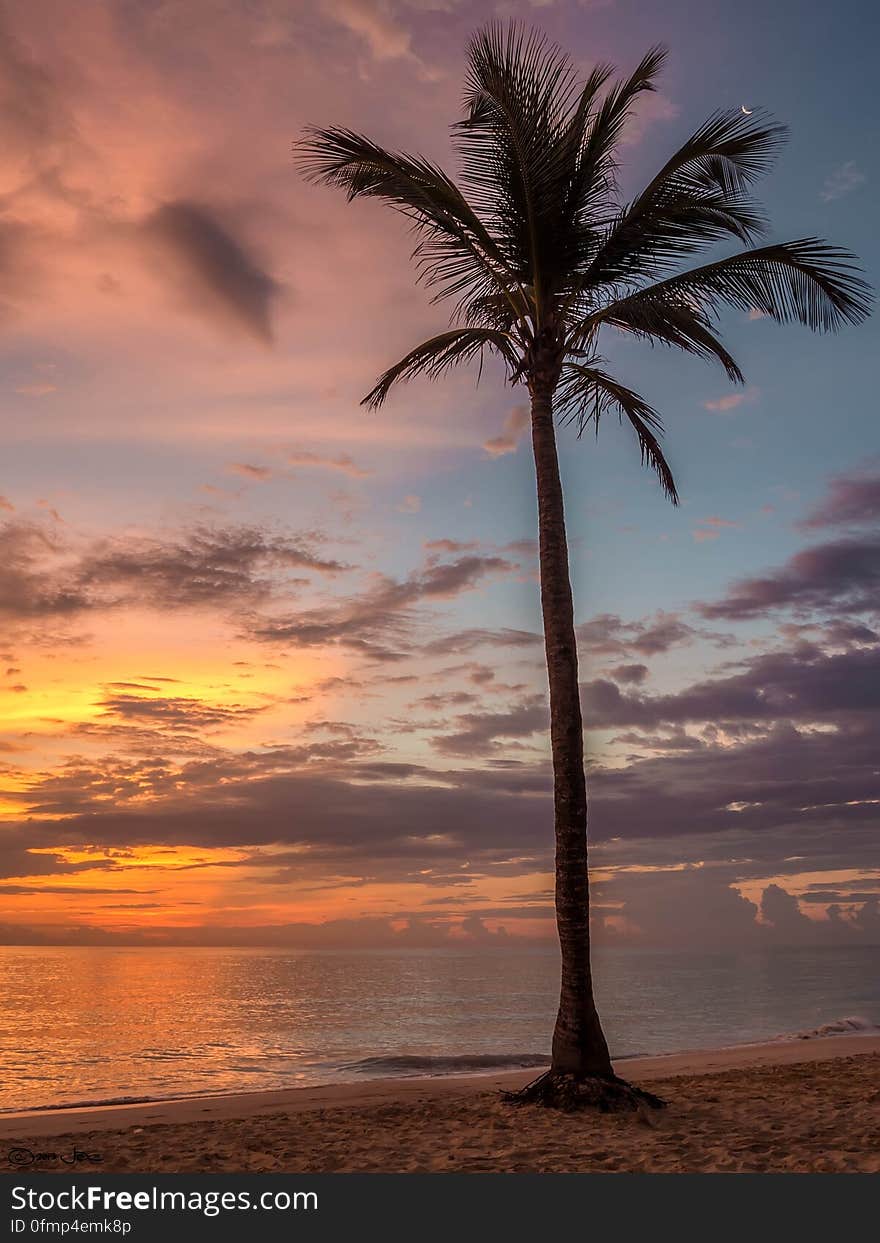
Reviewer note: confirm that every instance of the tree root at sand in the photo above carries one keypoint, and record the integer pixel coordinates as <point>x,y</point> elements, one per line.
<point>607,1093</point>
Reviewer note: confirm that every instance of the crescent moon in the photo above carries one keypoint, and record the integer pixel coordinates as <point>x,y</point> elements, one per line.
<point>747,112</point>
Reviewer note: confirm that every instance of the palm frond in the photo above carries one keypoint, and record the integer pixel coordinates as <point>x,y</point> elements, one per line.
<point>586,392</point>
<point>647,239</point>
<point>515,144</point>
<point>495,311</point>
<point>808,281</point>
<point>698,197</point>
<point>596,172</point>
<point>456,253</point>
<point>730,150</point>
<point>575,132</point>
<point>667,321</point>
<point>438,354</point>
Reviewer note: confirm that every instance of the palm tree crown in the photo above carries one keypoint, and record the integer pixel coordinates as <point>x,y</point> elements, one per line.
<point>538,253</point>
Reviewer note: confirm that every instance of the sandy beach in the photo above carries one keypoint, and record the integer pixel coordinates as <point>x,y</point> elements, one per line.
<point>795,1107</point>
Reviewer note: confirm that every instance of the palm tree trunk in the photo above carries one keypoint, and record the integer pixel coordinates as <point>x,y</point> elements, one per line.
<point>579,1046</point>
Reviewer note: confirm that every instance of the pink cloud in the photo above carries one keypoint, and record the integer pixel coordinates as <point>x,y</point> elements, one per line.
<point>450,545</point>
<point>648,111</point>
<point>515,423</point>
<point>36,390</point>
<point>710,528</point>
<point>372,21</point>
<point>732,401</point>
<point>250,471</point>
<point>341,461</point>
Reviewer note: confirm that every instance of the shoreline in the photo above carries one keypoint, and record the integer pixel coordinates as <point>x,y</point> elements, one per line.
<point>405,1090</point>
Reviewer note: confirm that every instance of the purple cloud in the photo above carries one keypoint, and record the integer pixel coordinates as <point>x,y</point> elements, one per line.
<point>841,575</point>
<point>853,500</point>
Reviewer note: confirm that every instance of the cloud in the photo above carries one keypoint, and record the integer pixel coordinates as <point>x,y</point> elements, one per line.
<point>782,910</point>
<point>409,505</point>
<point>18,860</point>
<point>169,712</point>
<point>657,909</point>
<point>630,675</point>
<point>450,545</point>
<point>608,635</point>
<point>372,822</point>
<point>787,793</point>
<point>710,528</point>
<point>701,906</point>
<point>805,685</point>
<point>842,633</point>
<point>463,641</point>
<point>249,471</point>
<point>786,745</point>
<point>449,699</point>
<point>649,109</point>
<point>35,124</point>
<point>342,462</point>
<point>206,566</point>
<point>853,500</point>
<point>351,817</point>
<point>31,587</point>
<point>43,576</point>
<point>784,764</point>
<point>73,891</point>
<point>482,733</point>
<point>689,908</point>
<point>732,401</point>
<point>414,931</point>
<point>841,575</point>
<point>676,738</point>
<point>378,623</point>
<point>213,268</point>
<point>515,423</point>
<point>842,181</point>
<point>373,22</point>
<point>245,569</point>
<point>36,390</point>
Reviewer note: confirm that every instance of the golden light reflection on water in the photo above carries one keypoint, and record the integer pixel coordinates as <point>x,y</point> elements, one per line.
<point>105,1023</point>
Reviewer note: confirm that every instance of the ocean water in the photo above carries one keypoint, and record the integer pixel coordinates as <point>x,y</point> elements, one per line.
<point>99,1024</point>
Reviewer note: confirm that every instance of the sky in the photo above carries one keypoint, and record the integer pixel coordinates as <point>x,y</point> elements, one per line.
<point>271,666</point>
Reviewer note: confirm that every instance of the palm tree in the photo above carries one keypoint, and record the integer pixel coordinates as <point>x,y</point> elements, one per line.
<point>538,253</point>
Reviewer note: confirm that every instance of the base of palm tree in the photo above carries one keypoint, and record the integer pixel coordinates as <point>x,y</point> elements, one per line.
<point>563,1090</point>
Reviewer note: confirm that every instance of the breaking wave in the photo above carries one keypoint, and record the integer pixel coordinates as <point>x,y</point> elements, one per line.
<point>854,1025</point>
